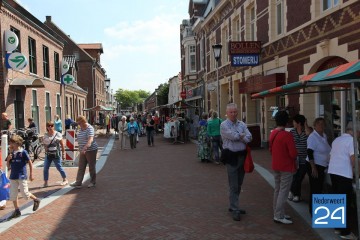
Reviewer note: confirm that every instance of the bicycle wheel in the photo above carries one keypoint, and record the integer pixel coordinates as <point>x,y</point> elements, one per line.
<point>39,152</point>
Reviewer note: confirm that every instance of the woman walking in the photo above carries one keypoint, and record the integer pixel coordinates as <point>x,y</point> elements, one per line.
<point>122,128</point>
<point>150,124</point>
<point>133,130</point>
<point>213,131</point>
<point>53,144</point>
<point>203,140</point>
<point>88,149</point>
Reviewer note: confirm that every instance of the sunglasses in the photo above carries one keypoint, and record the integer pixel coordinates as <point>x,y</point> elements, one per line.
<point>50,125</point>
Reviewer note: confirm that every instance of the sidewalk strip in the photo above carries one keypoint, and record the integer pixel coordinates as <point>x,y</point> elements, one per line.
<point>27,210</point>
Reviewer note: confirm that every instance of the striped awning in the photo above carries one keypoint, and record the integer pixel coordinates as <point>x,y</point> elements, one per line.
<point>340,75</point>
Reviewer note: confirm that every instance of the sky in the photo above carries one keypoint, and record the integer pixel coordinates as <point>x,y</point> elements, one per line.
<point>140,38</point>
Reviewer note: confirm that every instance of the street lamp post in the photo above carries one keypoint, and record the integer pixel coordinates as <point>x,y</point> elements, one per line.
<point>107,84</point>
<point>217,55</point>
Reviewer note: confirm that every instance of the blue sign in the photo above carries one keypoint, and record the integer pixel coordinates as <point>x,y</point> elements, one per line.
<point>329,211</point>
<point>245,60</point>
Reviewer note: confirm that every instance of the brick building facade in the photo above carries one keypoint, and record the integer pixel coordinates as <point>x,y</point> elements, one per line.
<point>90,74</point>
<point>297,37</point>
<point>34,91</point>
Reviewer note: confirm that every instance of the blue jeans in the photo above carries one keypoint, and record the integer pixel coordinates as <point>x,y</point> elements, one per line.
<point>58,166</point>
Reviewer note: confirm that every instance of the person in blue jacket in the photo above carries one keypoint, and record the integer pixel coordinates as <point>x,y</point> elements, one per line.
<point>133,130</point>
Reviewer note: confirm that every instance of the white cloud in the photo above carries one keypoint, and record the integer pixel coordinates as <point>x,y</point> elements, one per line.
<point>147,53</point>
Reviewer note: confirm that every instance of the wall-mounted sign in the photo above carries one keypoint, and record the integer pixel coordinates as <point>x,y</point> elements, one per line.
<point>245,60</point>
<point>64,67</point>
<point>11,41</point>
<point>68,79</point>
<point>247,47</point>
<point>17,61</point>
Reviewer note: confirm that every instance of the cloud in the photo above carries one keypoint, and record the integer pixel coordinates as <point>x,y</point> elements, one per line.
<point>147,52</point>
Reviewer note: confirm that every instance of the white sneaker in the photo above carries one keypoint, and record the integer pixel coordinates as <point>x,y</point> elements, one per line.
<point>350,236</point>
<point>91,185</point>
<point>290,196</point>
<point>282,220</point>
<point>296,199</point>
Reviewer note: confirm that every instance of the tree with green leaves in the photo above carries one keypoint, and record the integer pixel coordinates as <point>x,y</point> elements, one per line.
<point>128,98</point>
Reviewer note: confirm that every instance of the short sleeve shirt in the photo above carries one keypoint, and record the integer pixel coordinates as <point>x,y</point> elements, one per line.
<point>321,148</point>
<point>83,137</point>
<point>18,164</point>
<point>342,149</point>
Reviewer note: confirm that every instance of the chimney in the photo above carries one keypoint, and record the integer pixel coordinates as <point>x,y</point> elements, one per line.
<point>48,18</point>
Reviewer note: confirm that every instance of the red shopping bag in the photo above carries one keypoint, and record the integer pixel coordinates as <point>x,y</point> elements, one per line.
<point>248,164</point>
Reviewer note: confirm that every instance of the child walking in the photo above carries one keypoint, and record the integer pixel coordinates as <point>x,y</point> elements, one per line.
<point>16,162</point>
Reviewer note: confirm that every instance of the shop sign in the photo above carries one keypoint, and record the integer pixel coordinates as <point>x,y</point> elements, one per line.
<point>64,67</point>
<point>17,61</point>
<point>245,47</point>
<point>246,53</point>
<point>11,41</point>
<point>68,79</point>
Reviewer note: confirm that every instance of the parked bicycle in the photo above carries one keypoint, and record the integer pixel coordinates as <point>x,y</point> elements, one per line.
<point>32,143</point>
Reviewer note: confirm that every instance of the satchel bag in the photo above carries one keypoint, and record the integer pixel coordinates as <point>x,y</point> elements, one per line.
<point>248,164</point>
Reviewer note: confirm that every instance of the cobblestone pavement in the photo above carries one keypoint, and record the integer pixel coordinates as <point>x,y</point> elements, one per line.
<point>160,192</point>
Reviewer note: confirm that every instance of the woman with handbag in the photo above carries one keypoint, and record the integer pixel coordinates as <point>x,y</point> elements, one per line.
<point>53,142</point>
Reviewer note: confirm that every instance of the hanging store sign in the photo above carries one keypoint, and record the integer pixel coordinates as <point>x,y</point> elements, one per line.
<point>68,79</point>
<point>11,41</point>
<point>16,61</point>
<point>245,53</point>
<point>64,67</point>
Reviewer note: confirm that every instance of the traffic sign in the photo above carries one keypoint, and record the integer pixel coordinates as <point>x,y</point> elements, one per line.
<point>17,61</point>
<point>183,95</point>
<point>68,79</point>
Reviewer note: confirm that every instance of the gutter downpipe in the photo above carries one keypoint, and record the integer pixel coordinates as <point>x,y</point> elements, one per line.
<point>93,90</point>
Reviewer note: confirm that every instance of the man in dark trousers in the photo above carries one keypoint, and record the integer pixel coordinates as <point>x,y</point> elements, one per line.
<point>235,136</point>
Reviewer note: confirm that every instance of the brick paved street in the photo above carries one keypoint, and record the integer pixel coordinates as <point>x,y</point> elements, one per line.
<point>160,192</point>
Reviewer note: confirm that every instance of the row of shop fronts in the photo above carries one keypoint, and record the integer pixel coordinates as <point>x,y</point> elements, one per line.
<point>321,40</point>
<point>36,90</point>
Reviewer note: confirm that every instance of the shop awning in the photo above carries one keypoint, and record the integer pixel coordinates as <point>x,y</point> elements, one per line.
<point>341,75</point>
<point>28,82</point>
<point>100,108</point>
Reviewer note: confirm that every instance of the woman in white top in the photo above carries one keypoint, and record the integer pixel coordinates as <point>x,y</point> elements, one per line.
<point>122,128</point>
<point>53,143</point>
<point>341,165</point>
<point>318,153</point>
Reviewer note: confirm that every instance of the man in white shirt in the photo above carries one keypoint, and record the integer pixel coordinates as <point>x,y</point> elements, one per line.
<point>342,162</point>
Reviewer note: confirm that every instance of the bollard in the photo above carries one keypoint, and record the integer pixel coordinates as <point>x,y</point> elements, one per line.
<point>70,146</point>
<point>4,152</point>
